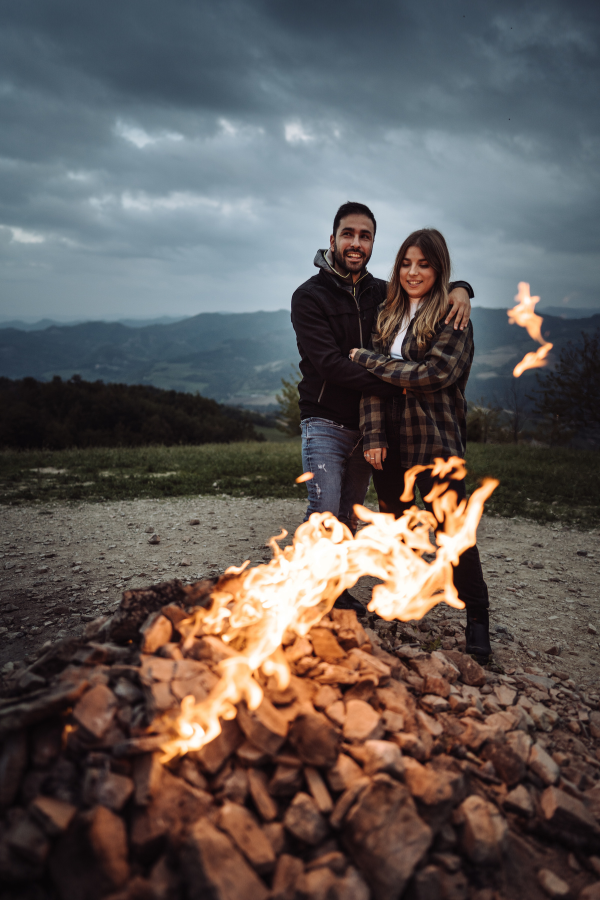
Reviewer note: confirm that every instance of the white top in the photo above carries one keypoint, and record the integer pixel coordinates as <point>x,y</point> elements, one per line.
<point>396,348</point>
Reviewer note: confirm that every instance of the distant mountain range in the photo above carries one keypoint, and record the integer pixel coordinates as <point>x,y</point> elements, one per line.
<point>240,358</point>
<point>41,324</point>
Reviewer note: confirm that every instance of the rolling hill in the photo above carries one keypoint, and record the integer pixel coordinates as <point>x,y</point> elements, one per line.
<point>239,358</point>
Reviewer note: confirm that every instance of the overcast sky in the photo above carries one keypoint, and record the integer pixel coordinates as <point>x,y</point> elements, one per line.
<point>170,157</point>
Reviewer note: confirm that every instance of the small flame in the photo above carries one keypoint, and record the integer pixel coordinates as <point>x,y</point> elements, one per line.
<point>306,476</point>
<point>523,314</point>
<point>253,608</point>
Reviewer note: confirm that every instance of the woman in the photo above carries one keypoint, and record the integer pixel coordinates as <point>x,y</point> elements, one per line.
<point>413,348</point>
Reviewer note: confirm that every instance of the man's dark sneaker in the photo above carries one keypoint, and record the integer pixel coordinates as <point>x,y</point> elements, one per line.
<point>477,633</point>
<point>347,601</point>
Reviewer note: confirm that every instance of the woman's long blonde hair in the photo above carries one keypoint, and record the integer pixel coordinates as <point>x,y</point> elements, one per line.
<point>396,310</point>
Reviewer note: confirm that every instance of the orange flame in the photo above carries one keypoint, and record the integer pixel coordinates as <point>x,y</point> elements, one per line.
<point>253,608</point>
<point>523,314</point>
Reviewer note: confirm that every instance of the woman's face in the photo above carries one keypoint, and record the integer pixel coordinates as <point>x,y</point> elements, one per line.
<point>417,276</point>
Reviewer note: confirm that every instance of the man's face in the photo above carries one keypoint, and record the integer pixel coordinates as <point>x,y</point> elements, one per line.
<point>352,246</point>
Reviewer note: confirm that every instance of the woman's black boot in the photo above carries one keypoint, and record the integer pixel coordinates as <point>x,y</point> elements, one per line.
<point>477,634</point>
<point>347,601</point>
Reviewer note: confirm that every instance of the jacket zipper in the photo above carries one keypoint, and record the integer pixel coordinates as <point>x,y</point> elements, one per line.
<point>358,308</point>
<point>321,394</point>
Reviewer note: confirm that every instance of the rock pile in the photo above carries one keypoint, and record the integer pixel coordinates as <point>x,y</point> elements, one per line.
<point>382,771</point>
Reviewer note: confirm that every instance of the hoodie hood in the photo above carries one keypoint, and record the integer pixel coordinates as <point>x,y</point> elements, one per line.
<point>345,281</point>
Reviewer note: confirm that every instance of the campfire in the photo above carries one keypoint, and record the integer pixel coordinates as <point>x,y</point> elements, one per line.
<point>240,739</point>
<point>523,314</point>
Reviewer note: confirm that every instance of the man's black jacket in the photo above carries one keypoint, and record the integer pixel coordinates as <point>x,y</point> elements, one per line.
<point>331,315</point>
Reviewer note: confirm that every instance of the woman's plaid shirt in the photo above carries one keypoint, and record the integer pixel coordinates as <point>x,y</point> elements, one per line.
<point>433,421</point>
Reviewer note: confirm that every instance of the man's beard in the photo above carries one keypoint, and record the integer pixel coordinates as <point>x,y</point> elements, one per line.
<point>342,265</point>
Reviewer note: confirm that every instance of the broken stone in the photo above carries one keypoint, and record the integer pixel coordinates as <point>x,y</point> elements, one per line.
<point>265,726</point>
<point>434,703</point>
<point>326,696</point>
<point>520,743</point>
<point>362,722</point>
<point>545,719</point>
<point>213,755</point>
<point>326,646</point>
<point>344,773</point>
<point>471,672</point>
<point>155,539</point>
<point>484,831</point>
<point>244,830</point>
<point>392,721</point>
<point>381,756</point>
<point>433,787</point>
<point>566,813</point>
<point>285,781</point>
<point>90,859</point>
<point>266,806</point>
<point>369,664</point>
<point>543,765</point>
<point>318,789</point>
<point>336,713</point>
<point>287,876</point>
<point>505,695</point>
<point>29,841</point>
<point>410,745</point>
<point>552,885</point>
<point>432,883</point>
<point>155,631</point>
<point>13,761</point>
<point>519,801</point>
<point>428,724</point>
<point>346,800</point>
<point>350,632</point>
<point>298,650</point>
<point>107,788</point>
<point>508,764</point>
<point>174,806</point>
<point>53,815</point>
<point>96,709</point>
<point>326,673</point>
<point>385,836</point>
<point>304,821</point>
<point>315,739</point>
<point>147,774</point>
<point>276,835</point>
<point>212,867</point>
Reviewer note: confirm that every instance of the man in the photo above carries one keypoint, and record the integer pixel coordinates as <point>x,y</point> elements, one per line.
<point>333,312</point>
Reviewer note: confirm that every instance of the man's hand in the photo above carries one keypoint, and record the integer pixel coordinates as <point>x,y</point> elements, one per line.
<point>376,457</point>
<point>460,308</point>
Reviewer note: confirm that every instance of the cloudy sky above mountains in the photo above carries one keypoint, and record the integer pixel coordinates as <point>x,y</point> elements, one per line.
<point>169,158</point>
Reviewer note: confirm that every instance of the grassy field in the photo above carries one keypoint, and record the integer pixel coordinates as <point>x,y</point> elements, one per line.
<point>548,485</point>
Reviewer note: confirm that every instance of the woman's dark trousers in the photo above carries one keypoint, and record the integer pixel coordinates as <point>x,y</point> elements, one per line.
<point>468,576</point>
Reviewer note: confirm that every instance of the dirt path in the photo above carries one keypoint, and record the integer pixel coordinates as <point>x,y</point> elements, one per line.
<point>66,564</point>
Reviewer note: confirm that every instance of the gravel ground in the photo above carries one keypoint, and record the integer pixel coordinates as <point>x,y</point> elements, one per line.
<point>65,564</point>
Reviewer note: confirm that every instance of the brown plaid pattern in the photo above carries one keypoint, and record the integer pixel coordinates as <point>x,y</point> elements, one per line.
<point>433,421</point>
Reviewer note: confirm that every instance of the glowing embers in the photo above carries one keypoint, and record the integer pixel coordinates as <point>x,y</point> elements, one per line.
<point>253,608</point>
<point>523,314</point>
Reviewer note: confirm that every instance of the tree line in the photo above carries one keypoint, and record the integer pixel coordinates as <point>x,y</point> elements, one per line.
<point>564,408</point>
<point>58,415</point>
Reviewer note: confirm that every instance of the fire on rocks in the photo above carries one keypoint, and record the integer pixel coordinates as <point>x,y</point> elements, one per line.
<point>342,760</point>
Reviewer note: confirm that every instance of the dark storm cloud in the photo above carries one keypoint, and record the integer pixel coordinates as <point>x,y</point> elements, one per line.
<point>191,154</point>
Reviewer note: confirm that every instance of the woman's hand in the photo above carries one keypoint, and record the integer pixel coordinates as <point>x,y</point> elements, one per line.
<point>352,352</point>
<point>376,457</point>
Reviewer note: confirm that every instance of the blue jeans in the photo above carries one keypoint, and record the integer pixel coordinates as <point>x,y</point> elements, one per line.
<point>334,454</point>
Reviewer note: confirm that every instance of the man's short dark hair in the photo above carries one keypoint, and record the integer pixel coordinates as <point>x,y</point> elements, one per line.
<point>353,209</point>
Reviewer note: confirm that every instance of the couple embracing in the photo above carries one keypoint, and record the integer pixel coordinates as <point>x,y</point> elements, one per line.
<point>384,367</point>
